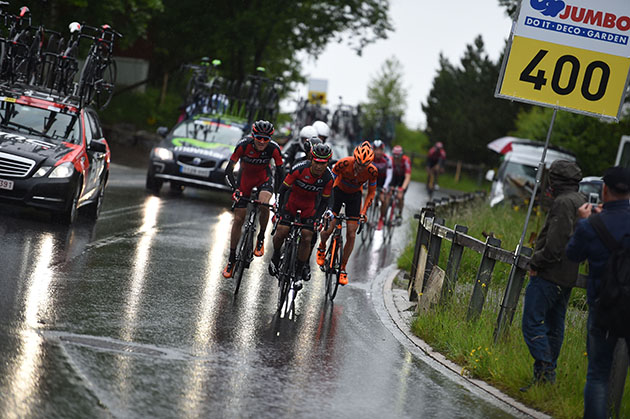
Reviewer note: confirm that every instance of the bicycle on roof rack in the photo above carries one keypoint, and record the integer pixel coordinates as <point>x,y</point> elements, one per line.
<point>14,45</point>
<point>98,75</point>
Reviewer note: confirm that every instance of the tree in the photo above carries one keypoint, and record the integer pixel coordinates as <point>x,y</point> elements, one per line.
<point>386,102</point>
<point>511,6</point>
<point>246,34</point>
<point>461,109</point>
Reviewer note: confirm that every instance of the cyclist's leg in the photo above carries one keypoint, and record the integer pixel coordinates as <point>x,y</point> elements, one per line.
<point>264,196</point>
<point>338,200</point>
<point>353,210</point>
<point>235,235</point>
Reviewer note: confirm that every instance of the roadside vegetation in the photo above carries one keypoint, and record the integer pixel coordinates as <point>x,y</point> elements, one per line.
<point>508,364</point>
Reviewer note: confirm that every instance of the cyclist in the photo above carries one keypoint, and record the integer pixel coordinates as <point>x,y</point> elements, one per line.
<point>351,173</point>
<point>306,188</point>
<point>401,176</point>
<point>383,164</point>
<point>435,163</point>
<point>255,153</point>
<point>292,151</point>
<point>323,131</point>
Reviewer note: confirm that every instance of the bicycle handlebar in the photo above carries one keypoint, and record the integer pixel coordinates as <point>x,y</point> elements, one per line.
<point>237,197</point>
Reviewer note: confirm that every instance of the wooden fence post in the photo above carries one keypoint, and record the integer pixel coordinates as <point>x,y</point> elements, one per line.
<point>458,171</point>
<point>435,243</point>
<point>617,379</point>
<point>422,239</point>
<point>452,267</point>
<point>511,295</point>
<point>484,274</point>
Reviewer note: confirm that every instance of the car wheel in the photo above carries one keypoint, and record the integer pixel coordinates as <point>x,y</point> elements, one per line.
<point>176,188</point>
<point>69,215</point>
<point>93,210</point>
<point>153,185</point>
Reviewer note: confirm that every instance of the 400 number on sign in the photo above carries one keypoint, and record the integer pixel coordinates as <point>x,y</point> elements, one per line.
<point>564,76</point>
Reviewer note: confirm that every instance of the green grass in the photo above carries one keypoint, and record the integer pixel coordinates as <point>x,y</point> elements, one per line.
<point>507,365</point>
<point>143,110</point>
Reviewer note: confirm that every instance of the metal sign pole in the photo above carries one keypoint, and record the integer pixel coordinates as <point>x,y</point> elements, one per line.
<point>541,164</point>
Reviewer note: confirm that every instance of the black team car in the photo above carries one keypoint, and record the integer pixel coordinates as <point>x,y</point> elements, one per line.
<point>52,154</point>
<point>195,153</point>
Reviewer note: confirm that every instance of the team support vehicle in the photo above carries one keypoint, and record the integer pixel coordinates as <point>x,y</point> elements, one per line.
<point>195,153</point>
<point>53,154</point>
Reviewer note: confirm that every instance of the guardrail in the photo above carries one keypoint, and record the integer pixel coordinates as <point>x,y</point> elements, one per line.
<point>432,231</point>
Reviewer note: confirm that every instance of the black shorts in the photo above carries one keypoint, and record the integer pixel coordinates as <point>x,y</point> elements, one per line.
<point>287,218</point>
<point>397,181</point>
<point>266,186</point>
<point>352,201</point>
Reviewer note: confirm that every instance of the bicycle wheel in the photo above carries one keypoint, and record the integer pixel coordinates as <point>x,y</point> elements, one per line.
<point>390,220</point>
<point>104,87</point>
<point>284,277</point>
<point>86,81</point>
<point>334,269</point>
<point>243,249</point>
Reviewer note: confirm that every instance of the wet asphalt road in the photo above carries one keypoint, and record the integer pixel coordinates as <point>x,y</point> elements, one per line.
<point>130,317</point>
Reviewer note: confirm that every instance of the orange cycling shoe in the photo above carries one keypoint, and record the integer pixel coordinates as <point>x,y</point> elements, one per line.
<point>343,276</point>
<point>229,268</point>
<point>260,248</point>
<point>321,256</point>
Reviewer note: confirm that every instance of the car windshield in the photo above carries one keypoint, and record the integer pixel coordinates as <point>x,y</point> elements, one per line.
<point>518,172</point>
<point>208,131</point>
<point>55,126</point>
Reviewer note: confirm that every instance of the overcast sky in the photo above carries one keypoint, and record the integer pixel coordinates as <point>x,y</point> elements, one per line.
<point>423,29</point>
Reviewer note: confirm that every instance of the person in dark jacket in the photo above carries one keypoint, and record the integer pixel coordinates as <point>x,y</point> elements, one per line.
<point>552,275</point>
<point>586,244</point>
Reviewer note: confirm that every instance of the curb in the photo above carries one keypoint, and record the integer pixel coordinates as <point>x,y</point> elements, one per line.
<point>392,317</point>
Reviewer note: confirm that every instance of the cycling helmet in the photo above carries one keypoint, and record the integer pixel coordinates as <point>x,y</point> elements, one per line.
<point>307,132</point>
<point>439,144</point>
<point>321,153</point>
<point>322,129</point>
<point>262,129</point>
<point>74,27</point>
<point>397,151</point>
<point>378,144</point>
<point>310,142</point>
<point>363,154</point>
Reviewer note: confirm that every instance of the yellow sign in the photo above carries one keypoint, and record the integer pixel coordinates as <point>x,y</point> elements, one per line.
<point>566,77</point>
<point>317,98</point>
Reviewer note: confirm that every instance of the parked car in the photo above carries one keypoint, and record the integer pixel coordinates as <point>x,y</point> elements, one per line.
<point>195,153</point>
<point>515,179</point>
<point>591,187</point>
<point>52,154</point>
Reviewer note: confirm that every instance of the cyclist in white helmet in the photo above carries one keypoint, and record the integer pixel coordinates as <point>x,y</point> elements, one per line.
<point>296,150</point>
<point>323,131</point>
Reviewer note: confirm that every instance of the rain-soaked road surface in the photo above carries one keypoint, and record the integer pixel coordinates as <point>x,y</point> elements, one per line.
<point>130,317</point>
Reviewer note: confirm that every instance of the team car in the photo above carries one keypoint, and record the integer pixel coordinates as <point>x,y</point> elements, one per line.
<point>195,153</point>
<point>53,154</point>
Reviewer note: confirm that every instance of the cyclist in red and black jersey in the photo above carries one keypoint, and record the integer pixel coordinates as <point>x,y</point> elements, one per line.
<point>255,154</point>
<point>306,188</point>
<point>383,164</point>
<point>402,176</point>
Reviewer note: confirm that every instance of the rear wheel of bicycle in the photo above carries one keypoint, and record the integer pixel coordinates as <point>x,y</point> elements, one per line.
<point>86,82</point>
<point>284,279</point>
<point>104,87</point>
<point>242,251</point>
<point>390,221</point>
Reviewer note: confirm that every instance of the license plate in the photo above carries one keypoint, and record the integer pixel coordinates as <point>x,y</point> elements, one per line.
<point>195,171</point>
<point>6,184</point>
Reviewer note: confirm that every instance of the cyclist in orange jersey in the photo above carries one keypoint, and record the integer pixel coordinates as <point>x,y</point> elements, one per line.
<point>351,173</point>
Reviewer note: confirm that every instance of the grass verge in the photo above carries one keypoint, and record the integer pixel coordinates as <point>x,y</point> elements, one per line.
<point>506,365</point>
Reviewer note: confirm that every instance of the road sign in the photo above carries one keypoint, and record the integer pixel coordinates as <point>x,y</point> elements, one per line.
<point>317,89</point>
<point>569,56</point>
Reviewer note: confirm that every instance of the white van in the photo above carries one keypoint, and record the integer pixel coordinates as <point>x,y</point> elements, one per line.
<point>516,176</point>
<point>623,152</point>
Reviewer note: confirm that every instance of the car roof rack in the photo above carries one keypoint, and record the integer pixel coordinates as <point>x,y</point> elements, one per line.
<point>18,90</point>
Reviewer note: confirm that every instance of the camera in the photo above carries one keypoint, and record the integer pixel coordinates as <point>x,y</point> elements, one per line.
<point>593,198</point>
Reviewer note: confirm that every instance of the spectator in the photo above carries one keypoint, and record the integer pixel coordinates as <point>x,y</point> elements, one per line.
<point>551,274</point>
<point>586,244</point>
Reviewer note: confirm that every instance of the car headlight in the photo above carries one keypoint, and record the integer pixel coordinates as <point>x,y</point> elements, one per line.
<point>237,166</point>
<point>42,171</point>
<point>162,153</point>
<point>64,170</point>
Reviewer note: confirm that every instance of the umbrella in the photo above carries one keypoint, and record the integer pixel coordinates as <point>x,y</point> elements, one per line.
<point>504,144</point>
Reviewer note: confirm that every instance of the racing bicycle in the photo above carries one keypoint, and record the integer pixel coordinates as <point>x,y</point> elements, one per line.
<point>245,246</point>
<point>287,270</point>
<point>373,215</point>
<point>334,255</point>
<point>392,215</point>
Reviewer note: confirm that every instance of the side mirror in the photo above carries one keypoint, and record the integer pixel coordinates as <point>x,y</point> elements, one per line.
<point>162,131</point>
<point>490,175</point>
<point>98,146</point>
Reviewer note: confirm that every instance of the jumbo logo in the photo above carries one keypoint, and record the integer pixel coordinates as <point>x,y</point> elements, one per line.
<point>548,7</point>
